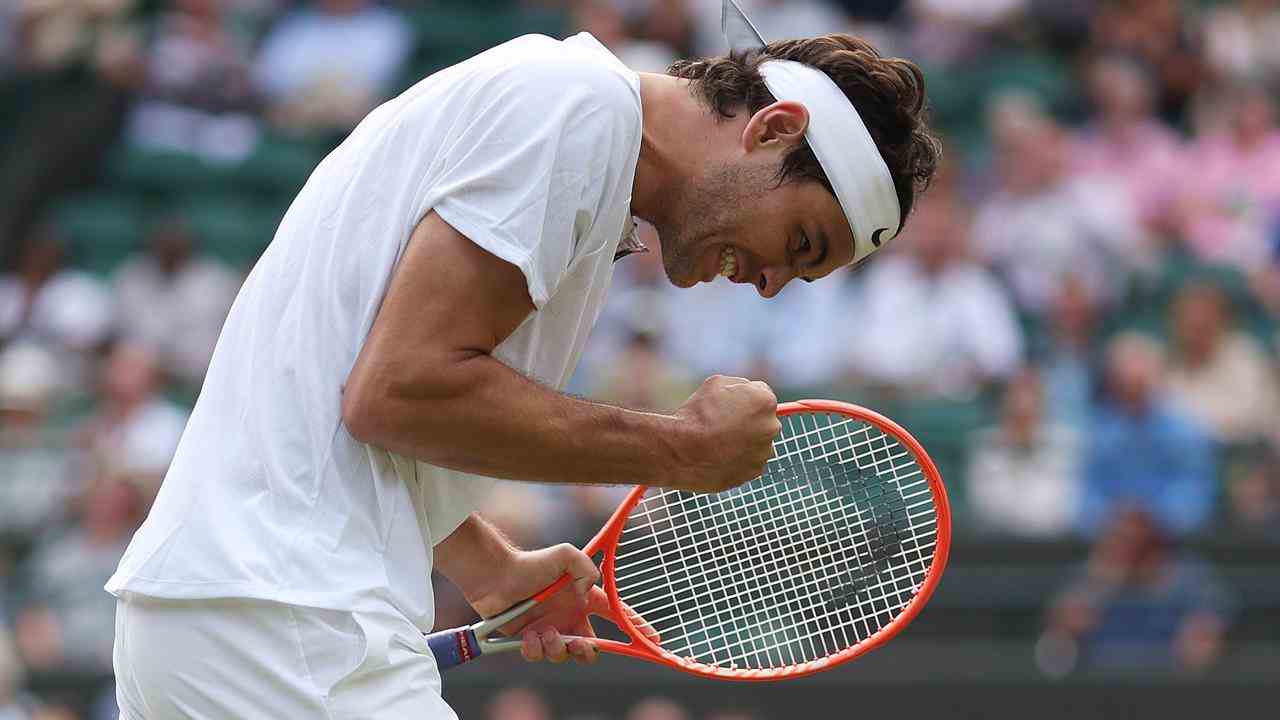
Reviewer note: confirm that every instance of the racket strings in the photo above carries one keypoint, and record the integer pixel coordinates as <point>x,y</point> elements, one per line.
<point>794,588</point>
<point>817,555</point>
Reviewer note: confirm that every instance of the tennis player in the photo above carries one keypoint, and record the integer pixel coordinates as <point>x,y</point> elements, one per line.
<point>403,340</point>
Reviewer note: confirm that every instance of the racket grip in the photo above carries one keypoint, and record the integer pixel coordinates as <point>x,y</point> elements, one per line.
<point>454,647</point>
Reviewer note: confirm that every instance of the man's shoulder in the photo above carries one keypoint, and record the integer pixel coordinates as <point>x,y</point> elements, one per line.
<point>576,69</point>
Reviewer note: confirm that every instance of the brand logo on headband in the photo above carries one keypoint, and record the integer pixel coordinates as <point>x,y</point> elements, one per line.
<point>875,237</point>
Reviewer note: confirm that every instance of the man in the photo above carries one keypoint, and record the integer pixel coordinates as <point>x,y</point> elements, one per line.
<point>400,343</point>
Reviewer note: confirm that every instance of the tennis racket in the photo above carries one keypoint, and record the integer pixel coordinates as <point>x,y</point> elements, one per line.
<point>827,555</point>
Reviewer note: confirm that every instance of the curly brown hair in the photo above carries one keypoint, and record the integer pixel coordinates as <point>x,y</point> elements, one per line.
<point>888,93</point>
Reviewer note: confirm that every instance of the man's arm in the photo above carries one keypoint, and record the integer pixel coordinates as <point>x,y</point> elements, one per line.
<point>493,575</point>
<point>425,385</point>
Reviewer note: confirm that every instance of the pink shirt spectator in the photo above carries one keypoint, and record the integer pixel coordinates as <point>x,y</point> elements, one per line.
<point>1140,158</point>
<point>1231,197</point>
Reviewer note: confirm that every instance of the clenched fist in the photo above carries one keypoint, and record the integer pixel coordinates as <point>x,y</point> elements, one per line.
<point>727,429</point>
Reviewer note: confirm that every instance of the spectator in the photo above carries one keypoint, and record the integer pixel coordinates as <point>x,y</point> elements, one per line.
<point>640,378</point>
<point>947,32</point>
<point>1024,476</point>
<point>68,621</point>
<point>15,704</point>
<point>668,23</point>
<point>518,703</point>
<point>1240,41</point>
<point>174,300</point>
<point>1222,376</point>
<point>931,320</point>
<point>1161,34</point>
<point>1226,209</point>
<point>67,59</point>
<point>134,430</point>
<point>1264,281</point>
<point>1127,143</point>
<point>1253,498</point>
<point>306,89</point>
<point>34,468</point>
<point>1143,450</point>
<point>58,35</point>
<point>194,94</point>
<point>658,708</point>
<point>1067,357</point>
<point>1044,224</point>
<point>45,301</point>
<point>1137,605</point>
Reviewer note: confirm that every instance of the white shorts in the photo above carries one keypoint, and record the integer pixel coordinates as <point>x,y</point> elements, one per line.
<point>241,659</point>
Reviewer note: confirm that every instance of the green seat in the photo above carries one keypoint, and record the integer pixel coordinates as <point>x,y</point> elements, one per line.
<point>278,166</point>
<point>103,227</point>
<point>447,35</point>
<point>234,228</point>
<point>160,173</point>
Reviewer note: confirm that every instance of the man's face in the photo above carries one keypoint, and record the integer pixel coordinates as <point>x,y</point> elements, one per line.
<point>776,232</point>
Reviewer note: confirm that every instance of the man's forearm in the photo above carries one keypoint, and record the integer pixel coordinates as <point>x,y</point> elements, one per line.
<point>480,416</point>
<point>473,556</point>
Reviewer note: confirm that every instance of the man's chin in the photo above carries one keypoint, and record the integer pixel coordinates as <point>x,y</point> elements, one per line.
<point>686,280</point>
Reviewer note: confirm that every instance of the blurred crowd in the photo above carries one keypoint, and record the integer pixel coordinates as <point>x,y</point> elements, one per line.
<point>1079,320</point>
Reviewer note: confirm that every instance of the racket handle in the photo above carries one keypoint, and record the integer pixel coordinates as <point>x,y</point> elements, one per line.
<point>454,647</point>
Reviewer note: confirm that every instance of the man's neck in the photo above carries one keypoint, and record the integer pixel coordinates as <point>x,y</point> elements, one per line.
<point>679,137</point>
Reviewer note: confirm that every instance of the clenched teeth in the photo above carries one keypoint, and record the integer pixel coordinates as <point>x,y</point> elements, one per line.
<point>728,262</point>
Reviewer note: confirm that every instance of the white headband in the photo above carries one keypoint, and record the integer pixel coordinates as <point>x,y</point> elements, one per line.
<point>837,136</point>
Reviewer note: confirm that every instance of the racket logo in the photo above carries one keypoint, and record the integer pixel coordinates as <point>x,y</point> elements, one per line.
<point>845,595</point>
<point>464,647</point>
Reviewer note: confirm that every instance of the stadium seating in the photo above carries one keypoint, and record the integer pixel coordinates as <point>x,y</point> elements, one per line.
<point>103,227</point>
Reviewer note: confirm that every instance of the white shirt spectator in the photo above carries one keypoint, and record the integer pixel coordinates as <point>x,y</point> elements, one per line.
<point>177,316</point>
<point>1240,42</point>
<point>71,310</point>
<point>1234,394</point>
<point>147,441</point>
<point>1030,491</point>
<point>943,333</point>
<point>361,51</point>
<point>1081,226</point>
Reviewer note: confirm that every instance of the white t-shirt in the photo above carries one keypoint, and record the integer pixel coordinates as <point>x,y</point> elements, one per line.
<point>528,149</point>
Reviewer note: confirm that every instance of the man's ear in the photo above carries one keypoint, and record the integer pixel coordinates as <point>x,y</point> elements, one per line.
<point>782,122</point>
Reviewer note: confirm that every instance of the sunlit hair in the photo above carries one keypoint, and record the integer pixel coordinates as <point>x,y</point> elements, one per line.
<point>888,93</point>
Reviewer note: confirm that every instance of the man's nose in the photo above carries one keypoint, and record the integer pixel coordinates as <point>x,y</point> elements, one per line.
<point>772,279</point>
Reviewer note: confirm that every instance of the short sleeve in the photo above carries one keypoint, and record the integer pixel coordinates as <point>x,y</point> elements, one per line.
<point>451,498</point>
<point>525,178</point>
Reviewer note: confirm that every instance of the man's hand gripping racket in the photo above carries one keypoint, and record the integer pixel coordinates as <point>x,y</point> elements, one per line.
<point>829,553</point>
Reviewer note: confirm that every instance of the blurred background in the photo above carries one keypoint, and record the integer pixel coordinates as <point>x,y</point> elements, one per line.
<point>1079,322</point>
